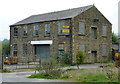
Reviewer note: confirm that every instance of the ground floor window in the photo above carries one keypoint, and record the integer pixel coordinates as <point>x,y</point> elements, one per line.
<point>15,50</point>
<point>82,47</point>
<point>104,49</point>
<point>24,49</point>
<point>61,50</point>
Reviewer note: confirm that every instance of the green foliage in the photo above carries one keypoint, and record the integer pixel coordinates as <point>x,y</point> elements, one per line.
<point>65,77</point>
<point>5,47</point>
<point>90,77</point>
<point>6,71</point>
<point>110,56</point>
<point>42,75</point>
<point>114,39</point>
<point>49,68</point>
<point>67,59</point>
<point>80,57</point>
<point>110,75</point>
<point>71,69</point>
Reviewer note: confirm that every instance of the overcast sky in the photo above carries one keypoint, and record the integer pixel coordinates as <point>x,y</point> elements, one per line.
<point>12,11</point>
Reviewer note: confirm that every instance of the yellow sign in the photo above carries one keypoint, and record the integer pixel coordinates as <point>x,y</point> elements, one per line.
<point>66,30</point>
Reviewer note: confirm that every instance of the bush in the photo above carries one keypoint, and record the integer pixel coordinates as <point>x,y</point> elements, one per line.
<point>49,68</point>
<point>80,58</point>
<point>66,59</point>
<point>6,71</point>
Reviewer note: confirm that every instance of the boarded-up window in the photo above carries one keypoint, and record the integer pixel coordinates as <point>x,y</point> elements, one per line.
<point>104,31</point>
<point>104,48</point>
<point>82,47</point>
<point>61,50</point>
<point>24,49</point>
<point>47,29</point>
<point>15,32</point>
<point>15,49</point>
<point>35,31</point>
<point>94,33</point>
<point>60,27</point>
<point>81,28</point>
<point>25,31</point>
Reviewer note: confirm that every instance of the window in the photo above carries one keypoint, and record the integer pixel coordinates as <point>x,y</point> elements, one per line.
<point>61,50</point>
<point>81,28</point>
<point>25,31</point>
<point>82,47</point>
<point>15,32</point>
<point>104,31</point>
<point>35,30</point>
<point>15,50</point>
<point>104,48</point>
<point>94,33</point>
<point>60,27</point>
<point>24,49</point>
<point>47,29</point>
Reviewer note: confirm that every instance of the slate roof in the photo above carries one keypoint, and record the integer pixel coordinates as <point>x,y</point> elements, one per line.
<point>59,15</point>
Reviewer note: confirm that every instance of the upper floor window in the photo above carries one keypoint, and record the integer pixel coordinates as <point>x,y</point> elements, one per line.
<point>15,49</point>
<point>24,49</point>
<point>60,27</point>
<point>104,31</point>
<point>47,29</point>
<point>15,32</point>
<point>104,49</point>
<point>25,30</point>
<point>81,28</point>
<point>94,33</point>
<point>35,31</point>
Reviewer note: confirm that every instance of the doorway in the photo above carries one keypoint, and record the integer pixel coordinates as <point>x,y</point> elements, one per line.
<point>94,56</point>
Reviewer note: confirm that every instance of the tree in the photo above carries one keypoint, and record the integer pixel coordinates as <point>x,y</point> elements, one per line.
<point>80,58</point>
<point>114,39</point>
<point>5,47</point>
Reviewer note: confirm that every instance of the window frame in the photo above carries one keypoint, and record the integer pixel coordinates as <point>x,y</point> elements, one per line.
<point>25,31</point>
<point>25,49</point>
<point>61,51</point>
<point>82,47</point>
<point>104,50</point>
<point>60,27</point>
<point>47,29</point>
<point>15,32</point>
<point>104,31</point>
<point>15,50</point>
<point>94,32</point>
<point>36,28</point>
<point>81,27</point>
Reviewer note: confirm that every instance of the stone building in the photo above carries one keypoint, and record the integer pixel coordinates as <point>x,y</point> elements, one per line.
<point>44,35</point>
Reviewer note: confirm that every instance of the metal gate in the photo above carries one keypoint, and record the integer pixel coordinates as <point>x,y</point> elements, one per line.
<point>42,51</point>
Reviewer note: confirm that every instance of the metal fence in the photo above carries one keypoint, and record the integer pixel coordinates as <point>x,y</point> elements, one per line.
<point>22,62</point>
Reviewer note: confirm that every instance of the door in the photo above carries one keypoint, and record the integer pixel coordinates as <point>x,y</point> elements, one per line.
<point>93,58</point>
<point>42,52</point>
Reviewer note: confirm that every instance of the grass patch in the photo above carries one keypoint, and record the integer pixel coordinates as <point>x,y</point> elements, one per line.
<point>89,77</point>
<point>42,75</point>
<point>110,66</point>
<point>5,71</point>
<point>70,69</point>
